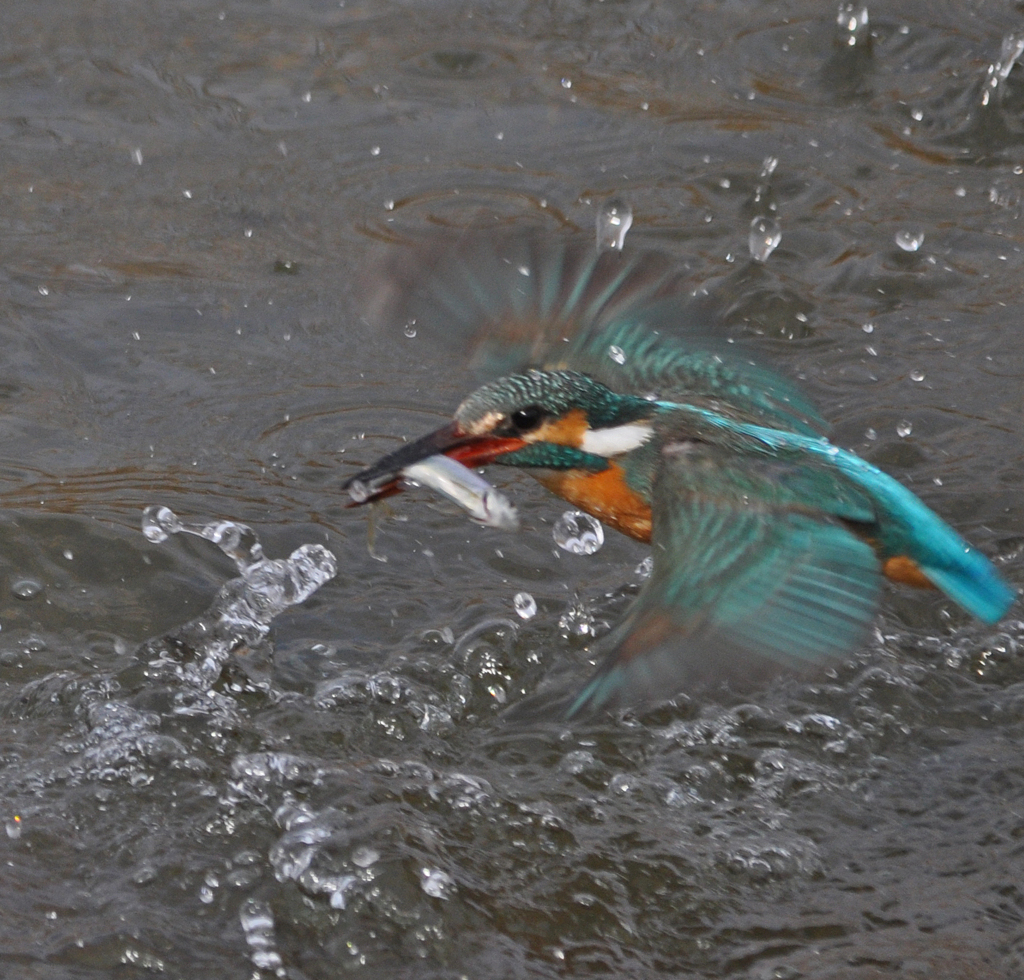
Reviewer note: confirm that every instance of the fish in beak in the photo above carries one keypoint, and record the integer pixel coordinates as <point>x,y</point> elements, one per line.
<point>441,461</point>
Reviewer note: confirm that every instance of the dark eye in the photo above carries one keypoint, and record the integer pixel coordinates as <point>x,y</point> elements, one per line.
<point>525,419</point>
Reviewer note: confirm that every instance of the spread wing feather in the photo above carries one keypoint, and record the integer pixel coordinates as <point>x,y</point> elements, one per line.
<point>532,300</point>
<point>743,588</point>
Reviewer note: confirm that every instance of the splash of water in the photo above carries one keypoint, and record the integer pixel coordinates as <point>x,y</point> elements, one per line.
<point>240,616</point>
<point>237,541</point>
<point>998,71</point>
<point>257,921</point>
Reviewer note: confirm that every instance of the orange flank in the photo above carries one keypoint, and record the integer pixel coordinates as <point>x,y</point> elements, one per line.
<point>605,495</point>
<point>900,568</point>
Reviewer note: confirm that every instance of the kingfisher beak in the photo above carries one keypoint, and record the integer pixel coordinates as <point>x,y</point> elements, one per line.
<point>384,477</point>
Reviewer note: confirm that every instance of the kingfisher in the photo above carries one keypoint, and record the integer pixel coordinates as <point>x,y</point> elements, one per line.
<point>606,383</point>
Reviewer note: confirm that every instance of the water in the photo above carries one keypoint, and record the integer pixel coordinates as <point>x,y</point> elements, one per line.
<point>852,25</point>
<point>910,241</point>
<point>614,219</point>
<point>578,533</point>
<point>188,330</point>
<point>525,605</point>
<point>240,616</point>
<point>257,922</point>
<point>999,71</point>
<point>765,235</point>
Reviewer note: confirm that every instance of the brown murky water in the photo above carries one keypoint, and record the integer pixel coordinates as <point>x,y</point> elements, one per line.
<point>189,193</point>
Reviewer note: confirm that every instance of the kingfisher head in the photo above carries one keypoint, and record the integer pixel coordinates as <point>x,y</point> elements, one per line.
<point>545,420</point>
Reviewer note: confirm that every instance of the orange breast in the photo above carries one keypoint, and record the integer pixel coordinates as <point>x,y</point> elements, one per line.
<point>606,496</point>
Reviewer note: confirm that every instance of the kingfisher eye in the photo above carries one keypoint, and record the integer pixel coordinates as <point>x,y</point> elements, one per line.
<point>525,419</point>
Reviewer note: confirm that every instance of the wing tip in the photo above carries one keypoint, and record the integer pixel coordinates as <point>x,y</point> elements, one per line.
<point>979,589</point>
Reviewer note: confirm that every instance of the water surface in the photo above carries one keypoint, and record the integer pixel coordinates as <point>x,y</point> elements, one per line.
<point>191,194</point>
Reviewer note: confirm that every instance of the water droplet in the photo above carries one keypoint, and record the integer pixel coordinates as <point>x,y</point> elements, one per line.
<point>497,692</point>
<point>258,927</point>
<point>917,375</point>
<point>137,155</point>
<point>44,291</point>
<point>525,605</point>
<point>375,151</point>
<point>389,205</point>
<point>617,354</point>
<point>910,241</point>
<point>410,329</point>
<point>768,167</point>
<point>13,827</point>
<point>566,83</point>
<point>852,26</point>
<point>765,235</point>
<point>158,522</point>
<point>903,429</point>
<point>868,328</point>
<point>26,588</point>
<point>1013,47</point>
<point>337,887</point>
<point>436,883</point>
<point>644,569</point>
<point>578,533</point>
<point>577,620</point>
<point>870,434</point>
<point>69,554</point>
<point>363,857</point>
<point>613,221</point>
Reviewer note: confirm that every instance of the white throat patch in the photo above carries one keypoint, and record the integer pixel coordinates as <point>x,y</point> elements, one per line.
<point>617,439</point>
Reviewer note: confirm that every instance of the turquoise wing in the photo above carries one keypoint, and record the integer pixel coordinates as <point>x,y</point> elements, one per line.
<point>747,583</point>
<point>503,303</point>
<point>897,521</point>
<point>907,526</point>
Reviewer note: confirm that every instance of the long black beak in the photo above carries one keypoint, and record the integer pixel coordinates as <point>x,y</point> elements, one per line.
<point>381,479</point>
<point>384,477</point>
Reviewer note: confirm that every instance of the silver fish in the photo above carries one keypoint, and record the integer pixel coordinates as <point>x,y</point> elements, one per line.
<point>469,490</point>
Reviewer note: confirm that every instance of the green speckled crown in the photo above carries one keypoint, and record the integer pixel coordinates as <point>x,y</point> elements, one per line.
<point>556,392</point>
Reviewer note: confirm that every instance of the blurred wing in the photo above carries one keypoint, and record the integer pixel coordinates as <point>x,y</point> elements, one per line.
<point>506,302</point>
<point>744,587</point>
